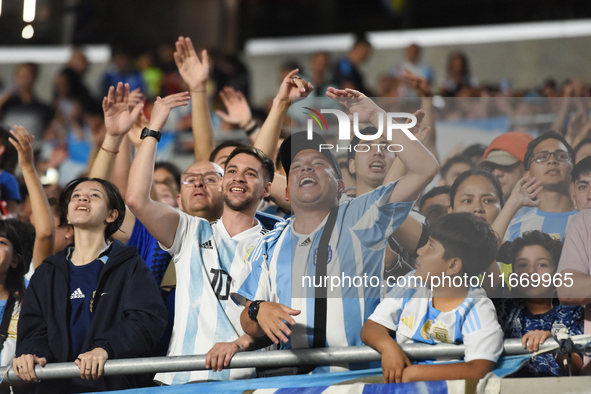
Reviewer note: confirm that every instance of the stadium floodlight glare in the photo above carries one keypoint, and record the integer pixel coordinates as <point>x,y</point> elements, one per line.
<point>29,10</point>
<point>28,32</point>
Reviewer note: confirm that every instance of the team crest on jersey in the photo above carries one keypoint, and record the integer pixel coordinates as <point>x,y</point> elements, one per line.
<point>425,330</point>
<point>13,326</point>
<point>248,253</point>
<point>408,321</point>
<point>440,333</point>
<point>329,255</point>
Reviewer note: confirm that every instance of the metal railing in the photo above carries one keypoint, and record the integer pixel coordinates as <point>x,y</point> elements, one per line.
<point>274,359</point>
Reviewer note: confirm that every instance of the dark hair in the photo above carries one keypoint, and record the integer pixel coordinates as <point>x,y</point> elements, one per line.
<point>465,236</point>
<point>26,234</point>
<point>436,191</point>
<point>15,277</point>
<point>583,167</point>
<point>577,148</point>
<point>545,136</point>
<point>10,156</point>
<point>474,151</point>
<point>172,168</point>
<point>225,144</point>
<point>454,160</point>
<point>473,172</point>
<point>529,238</point>
<point>465,63</point>
<point>113,200</point>
<point>267,163</point>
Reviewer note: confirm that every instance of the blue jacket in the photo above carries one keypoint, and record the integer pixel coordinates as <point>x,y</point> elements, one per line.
<point>129,314</point>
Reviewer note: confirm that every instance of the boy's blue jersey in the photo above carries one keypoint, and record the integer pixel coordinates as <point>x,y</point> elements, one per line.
<point>409,311</point>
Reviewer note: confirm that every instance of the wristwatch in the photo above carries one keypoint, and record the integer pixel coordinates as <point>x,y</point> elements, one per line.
<point>146,132</point>
<point>253,310</point>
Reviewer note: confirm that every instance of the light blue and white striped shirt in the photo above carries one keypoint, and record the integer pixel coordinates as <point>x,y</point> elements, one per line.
<point>552,223</point>
<point>283,260</point>
<point>409,311</point>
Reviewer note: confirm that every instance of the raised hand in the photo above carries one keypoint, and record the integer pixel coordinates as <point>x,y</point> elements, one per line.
<point>271,318</point>
<point>293,86</point>
<point>356,102</point>
<point>525,192</point>
<point>237,107</point>
<point>23,143</point>
<point>194,72</point>
<point>135,97</point>
<point>163,106</point>
<point>118,119</point>
<point>136,130</point>
<point>416,130</point>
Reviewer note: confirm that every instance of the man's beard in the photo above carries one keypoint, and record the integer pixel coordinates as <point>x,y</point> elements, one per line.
<point>241,205</point>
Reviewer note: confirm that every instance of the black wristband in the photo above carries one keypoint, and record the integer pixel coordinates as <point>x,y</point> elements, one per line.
<point>252,129</point>
<point>253,310</point>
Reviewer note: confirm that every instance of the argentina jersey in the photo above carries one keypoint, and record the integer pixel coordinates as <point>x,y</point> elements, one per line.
<point>283,268</point>
<point>9,348</point>
<point>409,311</point>
<point>207,261</point>
<point>552,223</point>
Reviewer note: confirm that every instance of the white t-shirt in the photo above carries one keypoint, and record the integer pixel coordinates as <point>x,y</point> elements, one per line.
<point>207,261</point>
<point>409,311</point>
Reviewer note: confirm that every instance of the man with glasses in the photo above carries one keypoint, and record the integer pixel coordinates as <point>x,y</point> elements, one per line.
<point>208,256</point>
<point>549,158</point>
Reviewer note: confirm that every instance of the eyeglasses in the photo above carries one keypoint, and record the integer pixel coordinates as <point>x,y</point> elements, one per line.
<point>542,157</point>
<point>189,179</point>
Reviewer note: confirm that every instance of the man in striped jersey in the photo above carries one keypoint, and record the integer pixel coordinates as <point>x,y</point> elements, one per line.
<point>207,256</point>
<point>274,293</point>
<point>549,158</point>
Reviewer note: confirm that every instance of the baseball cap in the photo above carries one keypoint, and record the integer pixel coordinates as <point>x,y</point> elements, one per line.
<point>508,148</point>
<point>298,142</point>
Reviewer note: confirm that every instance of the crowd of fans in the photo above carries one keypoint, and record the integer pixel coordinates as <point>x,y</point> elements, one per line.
<point>107,253</point>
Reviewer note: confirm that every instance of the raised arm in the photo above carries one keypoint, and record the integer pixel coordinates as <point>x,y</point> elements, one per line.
<point>44,226</point>
<point>118,122</point>
<point>420,163</point>
<point>292,87</point>
<point>159,219</point>
<point>523,195</point>
<point>239,113</point>
<point>195,73</point>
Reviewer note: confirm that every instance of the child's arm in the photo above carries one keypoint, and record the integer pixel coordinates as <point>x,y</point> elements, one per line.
<point>394,360</point>
<point>471,370</point>
<point>44,226</point>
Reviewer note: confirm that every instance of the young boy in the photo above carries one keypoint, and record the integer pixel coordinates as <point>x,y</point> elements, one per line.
<point>460,246</point>
<point>530,313</point>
